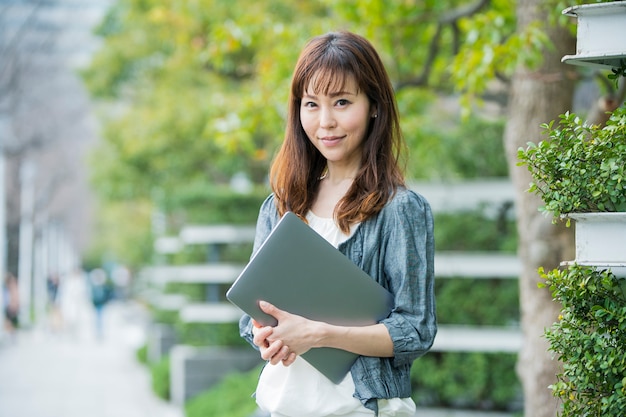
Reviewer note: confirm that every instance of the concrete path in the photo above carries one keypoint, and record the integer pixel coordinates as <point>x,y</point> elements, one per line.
<point>76,374</point>
<point>440,412</point>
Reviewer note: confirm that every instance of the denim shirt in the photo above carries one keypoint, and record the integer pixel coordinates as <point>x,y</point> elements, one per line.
<point>396,248</point>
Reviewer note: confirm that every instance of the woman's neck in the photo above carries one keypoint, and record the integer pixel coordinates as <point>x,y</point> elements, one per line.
<point>331,191</point>
<point>337,174</point>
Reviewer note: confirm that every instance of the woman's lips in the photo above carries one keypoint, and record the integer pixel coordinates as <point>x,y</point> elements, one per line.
<point>331,140</point>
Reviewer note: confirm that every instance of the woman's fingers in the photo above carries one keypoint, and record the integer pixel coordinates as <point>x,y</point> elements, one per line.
<point>260,336</point>
<point>275,352</point>
<point>272,349</point>
<point>291,358</point>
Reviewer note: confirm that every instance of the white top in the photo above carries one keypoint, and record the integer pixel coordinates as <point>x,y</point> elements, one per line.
<point>327,228</point>
<point>300,390</point>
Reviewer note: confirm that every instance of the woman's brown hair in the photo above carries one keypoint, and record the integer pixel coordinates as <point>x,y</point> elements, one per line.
<point>328,60</point>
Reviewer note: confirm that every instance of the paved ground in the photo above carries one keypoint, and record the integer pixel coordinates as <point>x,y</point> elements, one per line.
<point>75,374</point>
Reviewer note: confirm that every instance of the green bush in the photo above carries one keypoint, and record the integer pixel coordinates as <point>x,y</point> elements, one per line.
<point>485,302</point>
<point>590,339</point>
<point>475,231</point>
<point>193,254</point>
<point>486,141</point>
<point>210,334</point>
<point>446,153</point>
<point>232,397</point>
<point>473,380</point>
<point>581,168</point>
<point>466,380</point>
<point>200,334</point>
<point>142,354</point>
<point>160,373</point>
<point>164,316</point>
<point>204,204</point>
<point>193,291</point>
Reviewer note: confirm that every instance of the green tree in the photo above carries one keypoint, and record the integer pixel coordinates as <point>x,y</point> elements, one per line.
<point>205,82</point>
<point>199,88</point>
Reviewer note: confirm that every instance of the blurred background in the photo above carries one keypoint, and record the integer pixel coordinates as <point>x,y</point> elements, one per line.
<point>135,140</point>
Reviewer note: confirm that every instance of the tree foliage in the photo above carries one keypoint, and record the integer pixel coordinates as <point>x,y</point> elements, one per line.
<point>205,83</point>
<point>200,87</point>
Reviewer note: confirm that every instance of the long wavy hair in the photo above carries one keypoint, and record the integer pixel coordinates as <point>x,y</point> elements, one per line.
<point>329,60</point>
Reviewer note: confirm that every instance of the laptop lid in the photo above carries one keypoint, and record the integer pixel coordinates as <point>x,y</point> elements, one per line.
<point>298,271</point>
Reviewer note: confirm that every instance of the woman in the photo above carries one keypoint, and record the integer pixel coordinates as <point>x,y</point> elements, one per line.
<point>338,168</point>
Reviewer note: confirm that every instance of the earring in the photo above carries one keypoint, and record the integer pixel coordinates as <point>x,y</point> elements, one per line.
<point>375,116</point>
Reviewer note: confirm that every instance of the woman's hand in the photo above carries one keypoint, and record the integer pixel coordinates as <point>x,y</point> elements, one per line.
<point>296,332</point>
<point>273,350</point>
<point>295,335</point>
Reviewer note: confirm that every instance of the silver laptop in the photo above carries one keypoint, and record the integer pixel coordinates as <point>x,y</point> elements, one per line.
<point>298,271</point>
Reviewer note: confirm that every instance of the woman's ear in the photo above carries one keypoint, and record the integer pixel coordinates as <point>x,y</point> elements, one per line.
<point>374,111</point>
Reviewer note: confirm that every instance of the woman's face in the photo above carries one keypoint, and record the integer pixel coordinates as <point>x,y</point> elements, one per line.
<point>336,123</point>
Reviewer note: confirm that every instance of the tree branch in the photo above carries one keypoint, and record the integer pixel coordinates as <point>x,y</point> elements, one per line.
<point>448,19</point>
<point>13,43</point>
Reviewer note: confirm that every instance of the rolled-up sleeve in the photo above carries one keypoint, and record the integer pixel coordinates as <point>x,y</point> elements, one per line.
<point>408,246</point>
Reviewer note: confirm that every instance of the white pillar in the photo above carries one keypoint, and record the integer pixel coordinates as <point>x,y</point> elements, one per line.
<point>66,253</point>
<point>5,135</point>
<point>53,249</point>
<point>40,273</point>
<point>25,261</point>
<point>3,230</point>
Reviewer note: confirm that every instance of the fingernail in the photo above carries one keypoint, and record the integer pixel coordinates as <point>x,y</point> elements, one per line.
<point>263,304</point>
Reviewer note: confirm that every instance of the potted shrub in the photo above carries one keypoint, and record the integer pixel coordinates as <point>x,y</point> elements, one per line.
<point>581,167</point>
<point>580,174</point>
<point>589,338</point>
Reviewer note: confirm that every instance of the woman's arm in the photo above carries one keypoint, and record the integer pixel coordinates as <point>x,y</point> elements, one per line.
<point>409,270</point>
<point>297,335</point>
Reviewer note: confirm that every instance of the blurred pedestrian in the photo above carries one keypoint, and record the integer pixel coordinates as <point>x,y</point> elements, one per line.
<point>53,283</point>
<point>100,294</point>
<point>120,275</point>
<point>74,301</point>
<point>11,299</point>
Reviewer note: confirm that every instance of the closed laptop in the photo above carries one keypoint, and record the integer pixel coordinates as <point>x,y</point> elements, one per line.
<point>298,271</point>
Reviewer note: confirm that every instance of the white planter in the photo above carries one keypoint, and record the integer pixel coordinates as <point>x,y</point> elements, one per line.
<point>601,240</point>
<point>600,34</point>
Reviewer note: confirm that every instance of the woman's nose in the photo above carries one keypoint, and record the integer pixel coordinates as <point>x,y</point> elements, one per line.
<point>327,119</point>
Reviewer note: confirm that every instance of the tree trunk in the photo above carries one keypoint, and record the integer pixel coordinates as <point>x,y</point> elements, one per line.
<point>537,97</point>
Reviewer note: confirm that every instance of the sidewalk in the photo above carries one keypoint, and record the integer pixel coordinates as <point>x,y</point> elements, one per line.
<point>45,374</point>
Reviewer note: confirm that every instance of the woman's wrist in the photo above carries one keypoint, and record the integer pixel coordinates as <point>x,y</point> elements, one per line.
<point>328,335</point>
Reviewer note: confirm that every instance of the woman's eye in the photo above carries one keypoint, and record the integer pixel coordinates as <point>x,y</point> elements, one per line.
<point>342,102</point>
<point>309,104</point>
